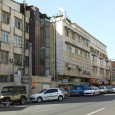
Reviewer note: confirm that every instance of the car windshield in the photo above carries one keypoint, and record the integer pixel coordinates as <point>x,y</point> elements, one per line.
<point>101,87</point>
<point>90,88</point>
<point>109,87</point>
<point>42,91</point>
<point>113,86</point>
<point>78,88</point>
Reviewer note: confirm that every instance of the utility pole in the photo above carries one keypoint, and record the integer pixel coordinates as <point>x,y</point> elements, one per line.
<point>55,78</point>
<point>30,69</point>
<point>110,69</point>
<point>23,64</point>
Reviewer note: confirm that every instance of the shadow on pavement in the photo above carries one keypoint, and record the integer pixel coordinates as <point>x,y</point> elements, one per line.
<point>68,100</point>
<point>79,99</point>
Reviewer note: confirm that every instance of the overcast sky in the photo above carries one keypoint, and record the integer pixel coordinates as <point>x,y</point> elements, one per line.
<point>95,16</point>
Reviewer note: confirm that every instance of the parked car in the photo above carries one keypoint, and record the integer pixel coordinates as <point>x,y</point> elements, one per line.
<point>92,91</point>
<point>47,94</point>
<point>78,89</point>
<point>109,88</point>
<point>11,94</point>
<point>112,89</point>
<point>103,89</point>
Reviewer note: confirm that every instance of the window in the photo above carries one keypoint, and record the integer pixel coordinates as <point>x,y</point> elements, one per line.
<point>17,58</point>
<point>86,55</point>
<point>5,36</point>
<point>83,54</point>
<point>27,28</point>
<point>1,79</point>
<point>84,42</point>
<point>11,78</point>
<point>48,91</point>
<point>66,32</point>
<point>94,58</point>
<point>70,34</point>
<point>4,79</point>
<point>27,61</point>
<point>101,61</point>
<point>54,90</point>
<point>79,39</point>
<point>79,52</point>
<point>101,71</point>
<point>66,48</point>
<point>73,50</point>
<point>18,23</point>
<point>73,35</point>
<point>87,43</point>
<point>4,56</point>
<point>94,69</point>
<point>17,40</point>
<point>5,18</point>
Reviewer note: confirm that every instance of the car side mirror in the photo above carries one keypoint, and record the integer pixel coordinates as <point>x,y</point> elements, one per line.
<point>45,92</point>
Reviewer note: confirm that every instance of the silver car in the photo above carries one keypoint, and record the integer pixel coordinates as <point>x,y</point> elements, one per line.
<point>103,89</point>
<point>112,89</point>
<point>92,91</point>
<point>47,94</point>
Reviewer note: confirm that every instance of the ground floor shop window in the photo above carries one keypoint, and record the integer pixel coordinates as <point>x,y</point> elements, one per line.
<point>6,78</point>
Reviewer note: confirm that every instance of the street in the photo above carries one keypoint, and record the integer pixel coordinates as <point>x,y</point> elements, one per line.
<point>84,105</point>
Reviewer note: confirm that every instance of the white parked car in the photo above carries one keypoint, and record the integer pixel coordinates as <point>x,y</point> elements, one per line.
<point>112,89</point>
<point>103,89</point>
<point>92,91</point>
<point>47,94</point>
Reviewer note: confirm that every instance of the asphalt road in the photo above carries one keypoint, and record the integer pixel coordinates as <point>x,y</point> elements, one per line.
<point>89,105</point>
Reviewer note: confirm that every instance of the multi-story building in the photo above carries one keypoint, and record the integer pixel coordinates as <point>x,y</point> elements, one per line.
<point>100,71</point>
<point>113,71</point>
<point>80,58</point>
<point>43,48</point>
<point>72,53</point>
<point>12,36</point>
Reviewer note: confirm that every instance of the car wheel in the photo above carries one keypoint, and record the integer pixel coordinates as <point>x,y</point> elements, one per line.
<point>60,98</point>
<point>22,100</point>
<point>7,102</point>
<point>39,99</point>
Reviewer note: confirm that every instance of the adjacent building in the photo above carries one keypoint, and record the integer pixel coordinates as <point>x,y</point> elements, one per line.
<point>13,54</point>
<point>73,63</point>
<point>100,65</point>
<point>41,34</point>
<point>80,57</point>
<point>113,71</point>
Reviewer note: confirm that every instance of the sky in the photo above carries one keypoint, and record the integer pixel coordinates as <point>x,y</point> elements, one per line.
<point>97,17</point>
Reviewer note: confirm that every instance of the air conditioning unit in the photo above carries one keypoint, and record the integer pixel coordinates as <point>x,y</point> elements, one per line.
<point>19,63</point>
<point>11,60</point>
<point>66,64</point>
<point>69,67</point>
<point>80,69</point>
<point>84,72</point>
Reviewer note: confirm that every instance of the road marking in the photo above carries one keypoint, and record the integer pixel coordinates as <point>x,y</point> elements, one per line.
<point>96,111</point>
<point>44,110</point>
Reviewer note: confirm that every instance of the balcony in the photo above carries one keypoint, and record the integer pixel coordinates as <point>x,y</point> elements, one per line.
<point>94,64</point>
<point>5,46</point>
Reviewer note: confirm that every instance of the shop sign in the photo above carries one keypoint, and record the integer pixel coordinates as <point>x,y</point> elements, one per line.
<point>65,80</point>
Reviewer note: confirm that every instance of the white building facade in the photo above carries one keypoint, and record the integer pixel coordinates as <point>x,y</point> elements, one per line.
<point>80,58</point>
